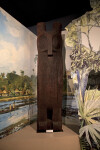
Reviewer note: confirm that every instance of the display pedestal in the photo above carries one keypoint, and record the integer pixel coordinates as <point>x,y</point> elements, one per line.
<point>29,139</point>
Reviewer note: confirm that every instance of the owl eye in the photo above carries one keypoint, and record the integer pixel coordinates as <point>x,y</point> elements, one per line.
<point>42,42</point>
<point>56,42</point>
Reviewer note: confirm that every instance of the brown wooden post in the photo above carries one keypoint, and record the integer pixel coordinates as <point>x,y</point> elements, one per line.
<point>49,78</point>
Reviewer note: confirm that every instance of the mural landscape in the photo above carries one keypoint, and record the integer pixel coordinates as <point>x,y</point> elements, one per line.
<point>69,105</point>
<point>18,56</point>
<point>83,39</point>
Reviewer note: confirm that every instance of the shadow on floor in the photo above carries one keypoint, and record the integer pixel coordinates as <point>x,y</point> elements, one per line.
<point>33,124</point>
<point>74,128</point>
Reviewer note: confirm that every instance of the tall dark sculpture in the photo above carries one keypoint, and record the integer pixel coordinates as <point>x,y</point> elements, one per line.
<point>50,78</point>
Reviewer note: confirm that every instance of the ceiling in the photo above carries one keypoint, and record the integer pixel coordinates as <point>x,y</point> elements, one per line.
<point>30,12</point>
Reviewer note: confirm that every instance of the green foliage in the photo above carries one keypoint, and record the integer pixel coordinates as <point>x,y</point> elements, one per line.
<point>22,72</point>
<point>91,131</point>
<point>35,59</point>
<point>34,79</point>
<point>3,75</point>
<point>89,109</point>
<point>89,112</point>
<point>84,144</point>
<point>82,59</point>
<point>12,77</point>
<point>2,88</point>
<point>14,72</point>
<point>3,84</point>
<point>14,81</point>
<point>71,38</point>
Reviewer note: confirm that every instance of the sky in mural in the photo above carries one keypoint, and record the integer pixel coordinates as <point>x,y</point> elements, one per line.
<point>17,46</point>
<point>94,37</point>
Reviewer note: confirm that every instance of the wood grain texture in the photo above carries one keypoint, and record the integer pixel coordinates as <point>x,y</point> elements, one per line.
<point>50,78</point>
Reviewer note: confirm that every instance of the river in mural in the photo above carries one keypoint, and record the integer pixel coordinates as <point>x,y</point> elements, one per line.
<point>18,117</point>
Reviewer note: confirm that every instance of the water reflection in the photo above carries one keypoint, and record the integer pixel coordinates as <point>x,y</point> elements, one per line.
<point>15,116</point>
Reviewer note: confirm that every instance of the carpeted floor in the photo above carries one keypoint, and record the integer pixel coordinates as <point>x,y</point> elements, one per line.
<point>29,139</point>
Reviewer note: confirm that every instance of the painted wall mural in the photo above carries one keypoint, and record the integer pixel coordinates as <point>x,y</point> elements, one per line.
<point>69,105</point>
<point>18,55</point>
<point>83,39</point>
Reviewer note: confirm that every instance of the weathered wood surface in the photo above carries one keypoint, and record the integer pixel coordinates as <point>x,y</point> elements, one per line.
<point>50,78</point>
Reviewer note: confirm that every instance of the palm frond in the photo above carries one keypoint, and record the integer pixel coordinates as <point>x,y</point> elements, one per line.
<point>89,109</point>
<point>84,144</point>
<point>92,131</point>
<point>89,112</point>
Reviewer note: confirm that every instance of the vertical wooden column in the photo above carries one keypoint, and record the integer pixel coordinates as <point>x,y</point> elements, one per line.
<point>49,78</point>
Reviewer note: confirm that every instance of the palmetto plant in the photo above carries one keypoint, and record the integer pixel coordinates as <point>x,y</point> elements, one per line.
<point>91,131</point>
<point>89,114</point>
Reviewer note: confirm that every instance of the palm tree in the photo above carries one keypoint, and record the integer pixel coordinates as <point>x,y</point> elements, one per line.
<point>14,72</point>
<point>22,73</point>
<point>2,75</point>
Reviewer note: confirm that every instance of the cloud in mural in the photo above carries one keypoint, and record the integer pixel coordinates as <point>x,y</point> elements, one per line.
<point>13,59</point>
<point>12,30</point>
<point>12,25</point>
<point>16,46</point>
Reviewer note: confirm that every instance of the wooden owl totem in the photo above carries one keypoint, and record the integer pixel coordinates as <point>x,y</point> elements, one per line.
<point>49,78</point>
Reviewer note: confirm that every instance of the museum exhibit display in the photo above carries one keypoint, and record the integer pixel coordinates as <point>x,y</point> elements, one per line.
<point>49,78</point>
<point>50,83</point>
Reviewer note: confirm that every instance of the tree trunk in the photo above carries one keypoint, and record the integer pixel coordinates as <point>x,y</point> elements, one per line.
<point>82,77</point>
